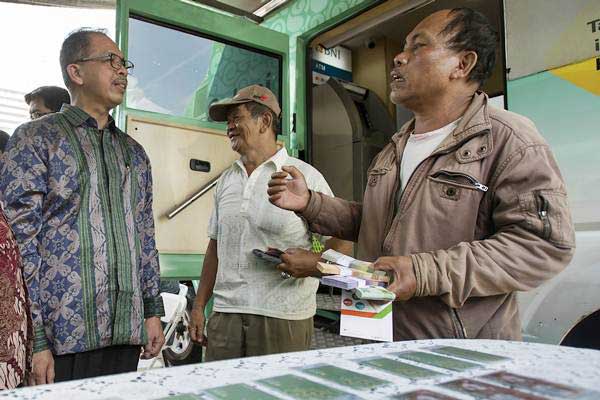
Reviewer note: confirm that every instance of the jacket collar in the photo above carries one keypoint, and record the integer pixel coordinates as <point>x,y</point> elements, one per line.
<point>77,117</point>
<point>473,121</point>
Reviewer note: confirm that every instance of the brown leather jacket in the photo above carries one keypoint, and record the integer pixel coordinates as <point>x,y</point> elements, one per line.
<point>486,215</point>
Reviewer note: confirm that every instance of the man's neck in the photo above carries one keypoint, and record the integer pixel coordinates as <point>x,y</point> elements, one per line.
<point>96,111</point>
<point>255,157</point>
<point>437,114</point>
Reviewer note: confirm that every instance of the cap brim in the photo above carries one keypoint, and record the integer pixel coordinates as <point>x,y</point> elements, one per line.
<point>218,111</point>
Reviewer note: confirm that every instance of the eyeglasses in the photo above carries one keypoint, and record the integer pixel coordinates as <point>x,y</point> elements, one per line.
<point>115,61</point>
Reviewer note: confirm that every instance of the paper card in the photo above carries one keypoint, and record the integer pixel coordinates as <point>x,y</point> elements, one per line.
<point>423,395</point>
<point>472,355</point>
<point>539,386</point>
<point>399,368</point>
<point>344,377</point>
<point>238,391</point>
<point>485,391</point>
<point>437,361</point>
<point>366,319</point>
<point>304,389</point>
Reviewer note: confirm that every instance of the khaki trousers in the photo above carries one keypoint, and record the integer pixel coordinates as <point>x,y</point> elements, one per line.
<point>233,335</point>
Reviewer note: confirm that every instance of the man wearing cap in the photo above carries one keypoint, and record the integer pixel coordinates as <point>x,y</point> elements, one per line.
<point>257,311</point>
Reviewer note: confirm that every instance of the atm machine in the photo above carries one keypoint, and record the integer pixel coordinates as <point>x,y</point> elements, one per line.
<point>350,125</point>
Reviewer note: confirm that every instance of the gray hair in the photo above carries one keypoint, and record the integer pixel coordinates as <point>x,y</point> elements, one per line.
<point>75,47</point>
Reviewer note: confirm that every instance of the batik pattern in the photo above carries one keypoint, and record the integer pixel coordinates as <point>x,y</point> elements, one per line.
<point>16,331</point>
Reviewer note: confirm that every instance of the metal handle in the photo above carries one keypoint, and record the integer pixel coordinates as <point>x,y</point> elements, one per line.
<point>193,198</point>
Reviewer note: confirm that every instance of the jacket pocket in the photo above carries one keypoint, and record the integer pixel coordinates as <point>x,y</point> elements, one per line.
<point>375,174</point>
<point>547,214</point>
<point>459,179</point>
<point>452,183</point>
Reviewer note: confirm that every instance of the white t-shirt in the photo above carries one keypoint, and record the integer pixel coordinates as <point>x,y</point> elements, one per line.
<point>242,220</point>
<point>419,147</point>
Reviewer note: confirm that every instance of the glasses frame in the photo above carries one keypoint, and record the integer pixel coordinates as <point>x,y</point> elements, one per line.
<point>123,63</point>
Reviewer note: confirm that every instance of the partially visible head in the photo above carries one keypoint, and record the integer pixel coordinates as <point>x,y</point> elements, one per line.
<point>450,51</point>
<point>252,117</point>
<point>3,140</point>
<point>93,67</point>
<point>45,100</point>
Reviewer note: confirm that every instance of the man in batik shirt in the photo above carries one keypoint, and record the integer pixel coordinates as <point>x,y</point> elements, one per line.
<point>78,195</point>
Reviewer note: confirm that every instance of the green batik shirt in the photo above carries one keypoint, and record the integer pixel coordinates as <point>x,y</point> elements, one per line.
<point>79,201</point>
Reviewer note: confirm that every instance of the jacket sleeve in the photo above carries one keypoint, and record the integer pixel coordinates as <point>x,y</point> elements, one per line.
<point>332,216</point>
<point>23,188</point>
<point>534,237</point>
<point>153,303</point>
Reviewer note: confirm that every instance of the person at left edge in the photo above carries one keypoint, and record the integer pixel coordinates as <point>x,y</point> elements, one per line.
<point>78,195</point>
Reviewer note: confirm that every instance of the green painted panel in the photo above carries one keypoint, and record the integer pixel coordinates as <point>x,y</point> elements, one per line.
<point>568,117</point>
<point>222,26</point>
<point>182,267</point>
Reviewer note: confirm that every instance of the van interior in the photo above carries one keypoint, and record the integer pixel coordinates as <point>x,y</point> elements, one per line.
<point>351,121</point>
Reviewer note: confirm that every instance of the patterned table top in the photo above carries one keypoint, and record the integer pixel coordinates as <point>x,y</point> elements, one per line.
<point>373,371</point>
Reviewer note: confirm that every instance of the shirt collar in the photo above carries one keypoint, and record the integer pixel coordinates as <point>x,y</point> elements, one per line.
<point>77,117</point>
<point>279,159</point>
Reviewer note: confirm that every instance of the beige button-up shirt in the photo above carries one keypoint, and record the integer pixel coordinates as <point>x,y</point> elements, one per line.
<point>242,220</point>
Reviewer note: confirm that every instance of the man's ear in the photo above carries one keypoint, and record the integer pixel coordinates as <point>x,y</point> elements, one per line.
<point>466,63</point>
<point>266,121</point>
<point>74,72</point>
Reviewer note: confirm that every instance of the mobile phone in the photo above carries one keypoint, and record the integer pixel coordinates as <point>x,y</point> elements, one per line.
<point>270,256</point>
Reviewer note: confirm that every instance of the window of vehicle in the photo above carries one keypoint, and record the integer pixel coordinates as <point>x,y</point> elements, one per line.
<point>181,73</point>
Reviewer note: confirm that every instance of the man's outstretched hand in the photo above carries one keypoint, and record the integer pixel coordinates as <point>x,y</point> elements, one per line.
<point>289,193</point>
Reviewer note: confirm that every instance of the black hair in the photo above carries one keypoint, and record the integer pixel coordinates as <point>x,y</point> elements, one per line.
<point>256,110</point>
<point>53,97</point>
<point>75,47</point>
<point>470,30</point>
<point>3,140</point>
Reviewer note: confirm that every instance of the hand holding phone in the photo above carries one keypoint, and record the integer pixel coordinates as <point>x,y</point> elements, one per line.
<point>271,256</point>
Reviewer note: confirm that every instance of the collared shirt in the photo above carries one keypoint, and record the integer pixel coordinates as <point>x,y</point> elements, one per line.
<point>79,201</point>
<point>242,220</point>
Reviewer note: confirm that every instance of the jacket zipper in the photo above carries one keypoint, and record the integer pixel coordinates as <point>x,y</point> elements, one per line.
<point>474,182</point>
<point>458,325</point>
<point>543,206</point>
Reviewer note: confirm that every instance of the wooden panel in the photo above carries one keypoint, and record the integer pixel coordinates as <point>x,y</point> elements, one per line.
<point>170,148</point>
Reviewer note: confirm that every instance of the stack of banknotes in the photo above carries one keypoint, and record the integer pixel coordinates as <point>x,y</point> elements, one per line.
<point>348,273</point>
